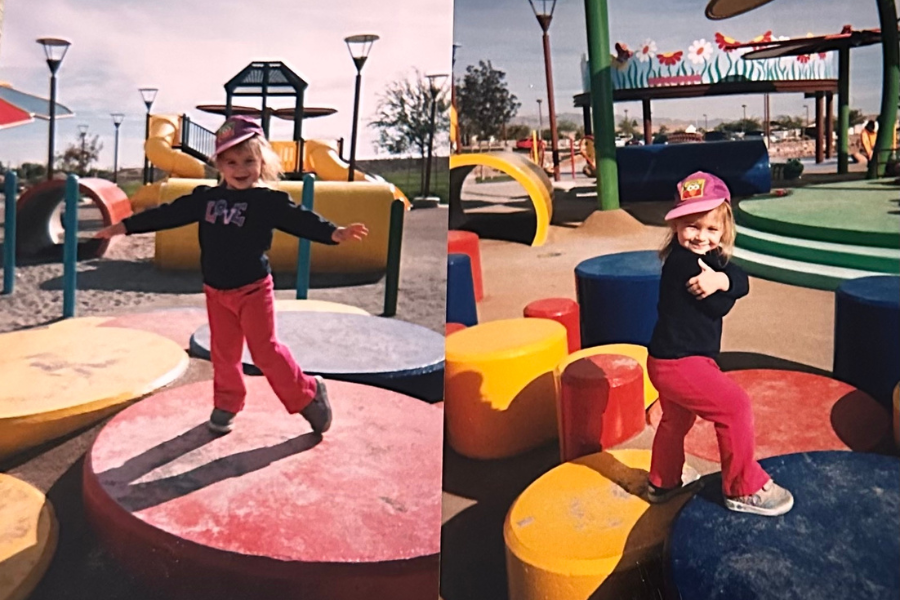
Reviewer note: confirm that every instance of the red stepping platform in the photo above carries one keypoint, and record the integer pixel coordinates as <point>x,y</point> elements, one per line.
<point>453,327</point>
<point>798,412</point>
<point>601,404</point>
<point>271,510</point>
<point>562,310</point>
<point>466,242</point>
<point>177,324</point>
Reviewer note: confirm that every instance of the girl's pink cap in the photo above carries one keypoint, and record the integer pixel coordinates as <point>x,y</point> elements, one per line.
<point>234,131</point>
<point>698,193</point>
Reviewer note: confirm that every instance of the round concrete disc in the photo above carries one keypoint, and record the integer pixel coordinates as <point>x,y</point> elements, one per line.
<point>271,509</point>
<point>28,535</point>
<point>838,541</point>
<point>798,412</point>
<point>387,353</point>
<point>61,378</point>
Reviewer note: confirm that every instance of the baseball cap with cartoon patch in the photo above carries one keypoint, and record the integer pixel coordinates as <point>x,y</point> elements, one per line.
<point>698,193</point>
<point>233,131</point>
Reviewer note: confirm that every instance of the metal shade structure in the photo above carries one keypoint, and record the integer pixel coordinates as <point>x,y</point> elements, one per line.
<point>309,112</point>
<point>725,9</point>
<point>37,107</point>
<point>11,115</point>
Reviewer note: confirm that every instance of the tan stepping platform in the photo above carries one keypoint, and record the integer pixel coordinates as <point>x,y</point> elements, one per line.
<point>582,522</point>
<point>28,536</point>
<point>61,378</point>
<point>500,392</point>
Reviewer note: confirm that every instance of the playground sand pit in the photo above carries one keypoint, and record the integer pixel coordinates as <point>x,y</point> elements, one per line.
<point>125,281</point>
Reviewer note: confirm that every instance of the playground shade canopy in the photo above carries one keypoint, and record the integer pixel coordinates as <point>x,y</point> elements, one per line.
<point>34,105</point>
<point>11,115</point>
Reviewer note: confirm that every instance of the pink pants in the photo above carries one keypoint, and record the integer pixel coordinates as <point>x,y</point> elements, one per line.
<point>695,386</point>
<point>249,312</point>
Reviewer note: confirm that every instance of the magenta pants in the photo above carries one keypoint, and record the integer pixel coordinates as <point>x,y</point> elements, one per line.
<point>694,387</point>
<point>248,312</point>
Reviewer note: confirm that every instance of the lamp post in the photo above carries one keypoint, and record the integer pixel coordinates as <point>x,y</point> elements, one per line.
<point>705,122</point>
<point>82,161</point>
<point>359,47</point>
<point>544,16</point>
<point>55,51</point>
<point>806,108</point>
<point>627,124</point>
<point>148,95</point>
<point>540,121</point>
<point>435,83</point>
<point>117,120</point>
<point>744,106</point>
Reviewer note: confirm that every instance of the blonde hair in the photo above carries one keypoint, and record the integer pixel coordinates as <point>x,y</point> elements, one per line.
<point>271,169</point>
<point>725,216</point>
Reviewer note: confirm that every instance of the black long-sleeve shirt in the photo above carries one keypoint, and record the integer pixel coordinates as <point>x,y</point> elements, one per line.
<point>235,229</point>
<point>687,326</point>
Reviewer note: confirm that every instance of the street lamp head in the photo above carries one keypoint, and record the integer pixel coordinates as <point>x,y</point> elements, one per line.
<point>359,47</point>
<point>456,46</point>
<point>117,118</point>
<point>543,11</point>
<point>83,129</point>
<point>148,95</point>
<point>55,51</point>
<point>436,82</point>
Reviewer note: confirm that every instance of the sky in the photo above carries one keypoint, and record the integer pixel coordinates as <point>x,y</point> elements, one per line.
<point>516,48</point>
<point>189,50</point>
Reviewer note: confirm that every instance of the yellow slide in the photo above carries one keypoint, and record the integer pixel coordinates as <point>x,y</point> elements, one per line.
<point>323,160</point>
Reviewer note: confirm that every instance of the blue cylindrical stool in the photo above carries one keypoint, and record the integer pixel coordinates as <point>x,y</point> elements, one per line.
<point>460,291</point>
<point>867,335</point>
<point>617,296</point>
<point>839,541</point>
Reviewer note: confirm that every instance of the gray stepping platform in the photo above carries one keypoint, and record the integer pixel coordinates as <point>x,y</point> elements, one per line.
<point>385,353</point>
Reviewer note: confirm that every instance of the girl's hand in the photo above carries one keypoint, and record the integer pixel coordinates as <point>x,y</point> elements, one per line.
<point>708,282</point>
<point>112,230</point>
<point>356,231</point>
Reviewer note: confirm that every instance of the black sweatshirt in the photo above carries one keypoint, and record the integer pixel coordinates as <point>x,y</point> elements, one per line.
<point>235,229</point>
<point>688,326</point>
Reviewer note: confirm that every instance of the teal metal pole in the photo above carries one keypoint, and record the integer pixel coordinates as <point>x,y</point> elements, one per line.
<point>602,103</point>
<point>887,13</point>
<point>843,108</point>
<point>395,241</point>
<point>70,246</point>
<point>303,250</point>
<point>9,233</point>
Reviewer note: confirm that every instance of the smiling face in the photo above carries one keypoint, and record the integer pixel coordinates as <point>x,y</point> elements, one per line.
<point>240,166</point>
<point>700,233</point>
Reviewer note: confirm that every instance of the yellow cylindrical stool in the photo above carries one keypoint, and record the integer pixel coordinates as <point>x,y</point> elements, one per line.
<point>499,390</point>
<point>28,535</point>
<point>580,523</point>
<point>897,415</point>
<point>638,353</point>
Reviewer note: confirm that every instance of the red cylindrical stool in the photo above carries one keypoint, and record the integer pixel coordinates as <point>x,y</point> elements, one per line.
<point>601,404</point>
<point>452,327</point>
<point>562,310</point>
<point>466,242</point>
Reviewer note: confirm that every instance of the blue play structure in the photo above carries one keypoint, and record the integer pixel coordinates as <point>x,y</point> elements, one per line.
<point>461,306</point>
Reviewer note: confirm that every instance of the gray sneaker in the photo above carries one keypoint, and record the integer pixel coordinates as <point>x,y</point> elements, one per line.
<point>658,495</point>
<point>318,412</point>
<point>771,501</point>
<point>221,421</point>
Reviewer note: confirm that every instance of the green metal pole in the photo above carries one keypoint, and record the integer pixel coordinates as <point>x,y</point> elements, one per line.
<point>887,13</point>
<point>602,103</point>
<point>9,231</point>
<point>303,248</point>
<point>843,108</point>
<point>395,240</point>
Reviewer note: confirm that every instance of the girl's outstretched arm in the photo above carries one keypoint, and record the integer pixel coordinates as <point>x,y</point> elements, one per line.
<point>354,231</point>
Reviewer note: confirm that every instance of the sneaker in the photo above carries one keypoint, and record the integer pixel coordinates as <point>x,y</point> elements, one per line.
<point>318,412</point>
<point>221,421</point>
<point>658,495</point>
<point>772,500</point>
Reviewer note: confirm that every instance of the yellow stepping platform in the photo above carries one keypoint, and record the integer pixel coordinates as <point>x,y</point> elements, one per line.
<point>58,379</point>
<point>638,353</point>
<point>581,522</point>
<point>290,304</point>
<point>500,392</point>
<point>28,536</point>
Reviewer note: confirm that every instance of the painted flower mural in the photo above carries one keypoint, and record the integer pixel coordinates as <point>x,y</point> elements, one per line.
<point>669,59</point>
<point>700,52</point>
<point>728,44</point>
<point>647,51</point>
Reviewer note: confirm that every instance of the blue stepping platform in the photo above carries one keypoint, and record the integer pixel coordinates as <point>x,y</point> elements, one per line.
<point>839,542</point>
<point>867,335</point>
<point>617,297</point>
<point>386,353</point>
<point>461,307</point>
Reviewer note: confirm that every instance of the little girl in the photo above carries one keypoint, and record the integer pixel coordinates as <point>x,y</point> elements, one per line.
<point>236,219</point>
<point>698,287</point>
